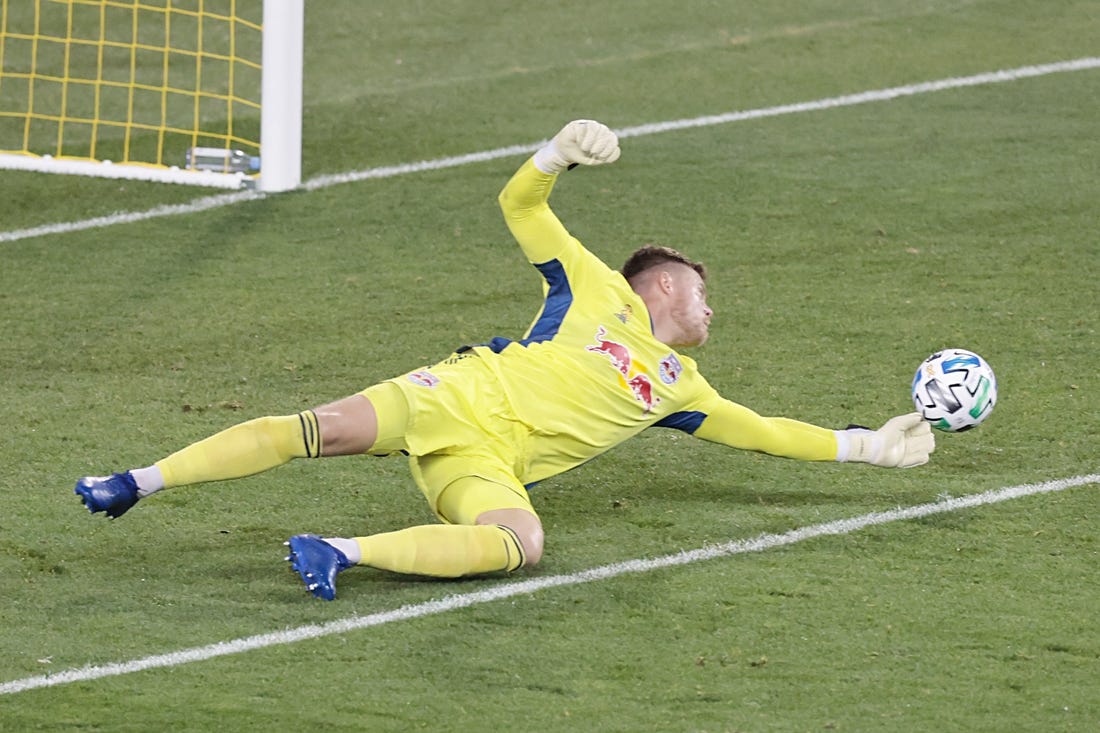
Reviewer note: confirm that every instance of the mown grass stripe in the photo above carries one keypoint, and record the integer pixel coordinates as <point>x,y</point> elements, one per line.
<point>534,585</point>
<point>325,181</point>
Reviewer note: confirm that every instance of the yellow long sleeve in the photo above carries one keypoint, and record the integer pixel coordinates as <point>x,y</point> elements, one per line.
<point>523,202</point>
<point>739,427</point>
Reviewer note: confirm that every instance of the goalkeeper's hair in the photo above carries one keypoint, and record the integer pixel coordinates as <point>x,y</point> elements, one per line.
<point>650,256</point>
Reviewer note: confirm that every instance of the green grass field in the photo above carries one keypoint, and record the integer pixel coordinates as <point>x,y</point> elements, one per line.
<point>844,246</point>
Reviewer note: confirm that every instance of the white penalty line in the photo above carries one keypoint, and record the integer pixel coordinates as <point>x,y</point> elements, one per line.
<point>325,181</point>
<point>528,587</point>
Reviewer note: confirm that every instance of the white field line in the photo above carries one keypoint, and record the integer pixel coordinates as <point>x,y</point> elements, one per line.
<point>325,181</point>
<point>527,587</point>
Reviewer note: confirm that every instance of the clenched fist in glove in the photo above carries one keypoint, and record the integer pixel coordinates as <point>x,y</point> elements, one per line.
<point>584,142</point>
<point>903,442</point>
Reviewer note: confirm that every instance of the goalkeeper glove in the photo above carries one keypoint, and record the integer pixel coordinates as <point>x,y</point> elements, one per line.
<point>586,142</point>
<point>903,442</point>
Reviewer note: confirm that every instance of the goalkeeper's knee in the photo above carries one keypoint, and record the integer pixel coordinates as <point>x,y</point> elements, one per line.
<point>523,527</point>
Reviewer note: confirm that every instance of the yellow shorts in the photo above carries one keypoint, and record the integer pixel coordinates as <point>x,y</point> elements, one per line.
<point>461,488</point>
<point>455,423</point>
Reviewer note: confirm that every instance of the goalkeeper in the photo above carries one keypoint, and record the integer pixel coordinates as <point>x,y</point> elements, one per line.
<point>599,364</point>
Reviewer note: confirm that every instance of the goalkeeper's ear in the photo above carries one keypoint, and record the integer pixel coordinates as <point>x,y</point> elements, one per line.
<point>581,142</point>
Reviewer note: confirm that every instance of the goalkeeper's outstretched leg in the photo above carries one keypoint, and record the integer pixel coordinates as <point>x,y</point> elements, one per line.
<point>345,427</point>
<point>490,526</point>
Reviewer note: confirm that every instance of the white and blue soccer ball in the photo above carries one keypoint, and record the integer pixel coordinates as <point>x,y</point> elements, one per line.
<point>955,390</point>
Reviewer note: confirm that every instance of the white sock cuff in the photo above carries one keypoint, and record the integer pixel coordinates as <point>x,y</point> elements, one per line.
<point>350,548</point>
<point>149,480</point>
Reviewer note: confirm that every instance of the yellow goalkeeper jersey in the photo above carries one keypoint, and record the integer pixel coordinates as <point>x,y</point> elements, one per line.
<point>589,373</point>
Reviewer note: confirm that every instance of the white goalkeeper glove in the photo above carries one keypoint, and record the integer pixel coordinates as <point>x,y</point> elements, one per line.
<point>584,142</point>
<point>903,442</point>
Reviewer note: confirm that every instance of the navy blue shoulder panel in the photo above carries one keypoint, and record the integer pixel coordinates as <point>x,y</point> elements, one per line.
<point>559,298</point>
<point>688,421</point>
<point>497,343</point>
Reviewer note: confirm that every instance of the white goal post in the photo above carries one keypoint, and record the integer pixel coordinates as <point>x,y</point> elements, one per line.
<point>281,105</point>
<point>142,89</point>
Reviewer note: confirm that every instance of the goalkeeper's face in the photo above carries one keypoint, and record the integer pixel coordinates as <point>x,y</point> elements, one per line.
<point>689,310</point>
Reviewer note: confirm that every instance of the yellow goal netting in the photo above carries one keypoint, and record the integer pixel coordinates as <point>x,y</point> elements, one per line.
<point>129,88</point>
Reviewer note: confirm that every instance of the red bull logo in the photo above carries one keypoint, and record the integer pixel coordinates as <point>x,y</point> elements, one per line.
<point>639,383</point>
<point>642,388</point>
<point>613,350</point>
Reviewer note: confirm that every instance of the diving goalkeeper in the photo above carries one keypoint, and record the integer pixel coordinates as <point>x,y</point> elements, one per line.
<point>599,364</point>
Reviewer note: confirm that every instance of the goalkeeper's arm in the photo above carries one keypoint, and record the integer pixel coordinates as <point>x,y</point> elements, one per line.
<point>902,442</point>
<point>524,198</point>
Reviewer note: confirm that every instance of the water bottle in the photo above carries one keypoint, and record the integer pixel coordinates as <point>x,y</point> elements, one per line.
<point>222,160</point>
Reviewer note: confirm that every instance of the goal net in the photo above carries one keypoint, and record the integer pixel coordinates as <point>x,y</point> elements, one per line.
<point>205,92</point>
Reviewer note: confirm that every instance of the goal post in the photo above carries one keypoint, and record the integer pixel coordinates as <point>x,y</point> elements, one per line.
<point>203,92</point>
<point>281,100</point>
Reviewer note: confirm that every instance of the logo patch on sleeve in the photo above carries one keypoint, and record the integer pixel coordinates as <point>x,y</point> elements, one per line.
<point>670,369</point>
<point>424,378</point>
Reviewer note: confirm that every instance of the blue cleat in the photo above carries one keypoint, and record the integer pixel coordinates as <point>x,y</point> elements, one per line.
<point>317,562</point>
<point>112,494</point>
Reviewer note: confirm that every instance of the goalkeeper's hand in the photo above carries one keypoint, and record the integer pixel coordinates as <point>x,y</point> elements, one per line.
<point>903,442</point>
<point>584,142</point>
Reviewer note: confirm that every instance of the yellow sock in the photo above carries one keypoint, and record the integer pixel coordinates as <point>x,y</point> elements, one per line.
<point>443,550</point>
<point>244,449</point>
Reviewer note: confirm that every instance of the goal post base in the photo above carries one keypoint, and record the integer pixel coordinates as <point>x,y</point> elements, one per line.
<point>131,171</point>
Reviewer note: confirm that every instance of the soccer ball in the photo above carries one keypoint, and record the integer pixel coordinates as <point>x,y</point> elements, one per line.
<point>954,389</point>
